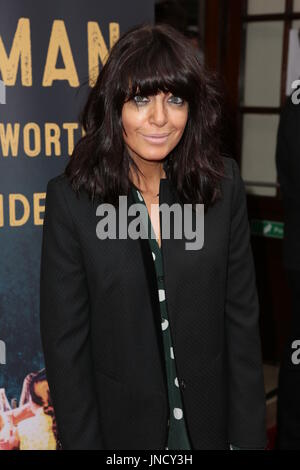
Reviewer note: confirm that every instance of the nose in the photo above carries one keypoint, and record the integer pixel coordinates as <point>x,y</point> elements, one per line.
<point>158,114</point>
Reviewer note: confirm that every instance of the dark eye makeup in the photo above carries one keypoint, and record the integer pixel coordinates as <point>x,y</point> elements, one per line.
<point>179,101</point>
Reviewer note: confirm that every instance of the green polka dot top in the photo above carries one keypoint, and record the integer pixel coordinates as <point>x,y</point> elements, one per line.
<point>177,432</point>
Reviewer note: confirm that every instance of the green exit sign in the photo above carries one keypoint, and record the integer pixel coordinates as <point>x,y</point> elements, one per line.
<point>267,228</point>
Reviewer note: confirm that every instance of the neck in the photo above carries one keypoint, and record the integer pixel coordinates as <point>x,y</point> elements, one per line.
<point>149,175</point>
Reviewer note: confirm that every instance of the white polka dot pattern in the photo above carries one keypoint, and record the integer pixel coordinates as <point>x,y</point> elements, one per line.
<point>178,414</point>
<point>161,295</point>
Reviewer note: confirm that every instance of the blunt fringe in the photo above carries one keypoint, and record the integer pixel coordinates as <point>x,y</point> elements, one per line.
<point>148,59</point>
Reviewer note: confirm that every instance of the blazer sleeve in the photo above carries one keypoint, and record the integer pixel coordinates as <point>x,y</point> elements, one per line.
<point>64,327</point>
<point>247,409</point>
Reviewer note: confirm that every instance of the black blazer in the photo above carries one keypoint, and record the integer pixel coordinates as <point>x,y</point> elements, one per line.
<point>101,327</point>
<point>288,170</point>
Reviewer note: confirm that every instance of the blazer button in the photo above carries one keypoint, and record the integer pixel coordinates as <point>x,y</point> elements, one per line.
<point>160,278</point>
<point>182,384</point>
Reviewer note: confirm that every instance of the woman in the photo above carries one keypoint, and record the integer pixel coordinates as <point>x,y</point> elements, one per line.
<point>32,425</point>
<point>148,344</point>
<point>37,432</point>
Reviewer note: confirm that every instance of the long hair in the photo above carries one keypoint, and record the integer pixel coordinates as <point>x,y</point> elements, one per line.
<point>40,376</point>
<point>149,59</point>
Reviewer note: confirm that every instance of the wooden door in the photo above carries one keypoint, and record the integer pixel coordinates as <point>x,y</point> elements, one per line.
<point>246,41</point>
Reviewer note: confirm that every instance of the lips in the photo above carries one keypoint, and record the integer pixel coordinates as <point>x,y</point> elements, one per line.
<point>156,138</point>
<point>156,135</point>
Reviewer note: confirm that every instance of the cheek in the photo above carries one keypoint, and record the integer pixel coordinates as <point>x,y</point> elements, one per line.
<point>180,122</point>
<point>131,119</point>
<point>178,117</point>
<point>125,121</point>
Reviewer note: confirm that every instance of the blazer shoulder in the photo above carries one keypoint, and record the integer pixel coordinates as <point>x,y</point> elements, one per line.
<point>60,180</point>
<point>232,185</point>
<point>230,167</point>
<point>60,186</point>
<point>232,175</point>
<point>61,193</point>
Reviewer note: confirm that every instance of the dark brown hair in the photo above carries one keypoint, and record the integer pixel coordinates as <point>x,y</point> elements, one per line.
<point>150,58</point>
<point>40,376</point>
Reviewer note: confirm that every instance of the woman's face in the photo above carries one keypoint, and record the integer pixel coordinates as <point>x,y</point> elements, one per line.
<point>160,115</point>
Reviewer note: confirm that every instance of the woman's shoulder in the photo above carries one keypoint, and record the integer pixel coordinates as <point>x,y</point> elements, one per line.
<point>60,180</point>
<point>231,186</point>
<point>65,203</point>
<point>230,167</point>
<point>60,187</point>
<point>232,180</point>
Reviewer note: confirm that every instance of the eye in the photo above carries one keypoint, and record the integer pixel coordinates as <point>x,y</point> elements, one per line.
<point>139,101</point>
<point>178,100</point>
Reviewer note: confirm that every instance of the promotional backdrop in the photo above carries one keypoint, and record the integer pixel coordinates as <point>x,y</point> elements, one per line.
<point>50,52</point>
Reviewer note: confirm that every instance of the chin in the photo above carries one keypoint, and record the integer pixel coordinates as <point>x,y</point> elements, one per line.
<point>157,158</point>
<point>158,153</point>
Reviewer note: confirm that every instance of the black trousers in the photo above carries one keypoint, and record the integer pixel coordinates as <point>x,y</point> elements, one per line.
<point>288,407</point>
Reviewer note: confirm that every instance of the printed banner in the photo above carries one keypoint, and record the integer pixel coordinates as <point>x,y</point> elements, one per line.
<point>50,53</point>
